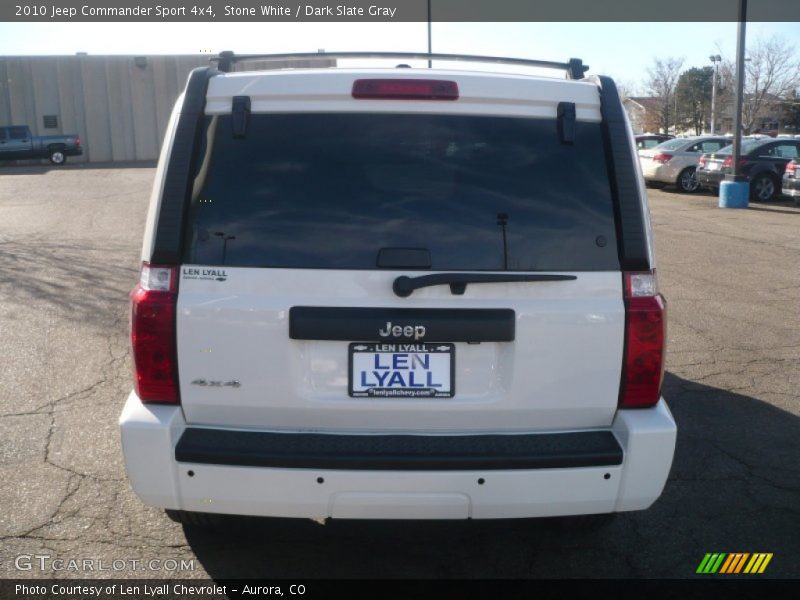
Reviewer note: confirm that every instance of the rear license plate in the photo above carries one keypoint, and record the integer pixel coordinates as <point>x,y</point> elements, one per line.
<point>379,370</point>
<point>713,166</point>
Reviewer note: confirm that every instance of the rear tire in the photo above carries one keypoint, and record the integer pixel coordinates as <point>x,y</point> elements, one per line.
<point>57,156</point>
<point>763,188</point>
<point>686,182</point>
<point>194,519</point>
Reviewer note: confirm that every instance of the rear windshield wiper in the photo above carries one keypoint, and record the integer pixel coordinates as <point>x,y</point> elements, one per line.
<point>404,286</point>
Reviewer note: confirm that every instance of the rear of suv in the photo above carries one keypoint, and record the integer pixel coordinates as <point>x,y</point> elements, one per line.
<point>397,293</point>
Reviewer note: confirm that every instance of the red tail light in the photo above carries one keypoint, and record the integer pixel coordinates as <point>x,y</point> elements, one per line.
<point>791,168</point>
<point>405,89</point>
<point>645,338</point>
<point>662,158</point>
<point>77,140</point>
<point>153,335</point>
<point>728,162</point>
<point>701,161</point>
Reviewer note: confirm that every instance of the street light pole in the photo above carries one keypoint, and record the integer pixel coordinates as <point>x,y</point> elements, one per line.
<point>716,59</point>
<point>740,47</point>
<point>225,239</point>
<point>430,46</point>
<point>734,189</point>
<point>502,221</point>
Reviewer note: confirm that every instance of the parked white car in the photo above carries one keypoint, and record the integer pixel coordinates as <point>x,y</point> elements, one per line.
<point>397,293</point>
<point>674,162</point>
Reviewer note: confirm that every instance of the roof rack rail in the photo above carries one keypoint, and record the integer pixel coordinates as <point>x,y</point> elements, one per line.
<point>574,68</point>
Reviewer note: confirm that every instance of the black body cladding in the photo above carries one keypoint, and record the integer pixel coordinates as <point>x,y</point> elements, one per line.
<point>398,452</point>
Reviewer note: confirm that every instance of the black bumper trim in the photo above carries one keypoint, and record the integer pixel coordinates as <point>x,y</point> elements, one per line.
<point>398,452</point>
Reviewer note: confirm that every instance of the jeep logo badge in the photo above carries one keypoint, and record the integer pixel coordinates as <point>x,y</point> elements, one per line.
<point>415,331</point>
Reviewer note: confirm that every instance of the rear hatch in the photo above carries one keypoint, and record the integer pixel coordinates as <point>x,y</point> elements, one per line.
<point>289,315</point>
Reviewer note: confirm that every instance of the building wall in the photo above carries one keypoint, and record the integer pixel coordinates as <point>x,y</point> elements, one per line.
<point>119,105</point>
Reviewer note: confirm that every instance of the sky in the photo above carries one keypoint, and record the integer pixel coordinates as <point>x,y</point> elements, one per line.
<point>622,50</point>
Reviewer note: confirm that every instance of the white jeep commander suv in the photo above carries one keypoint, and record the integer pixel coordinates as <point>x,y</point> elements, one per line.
<point>397,293</point>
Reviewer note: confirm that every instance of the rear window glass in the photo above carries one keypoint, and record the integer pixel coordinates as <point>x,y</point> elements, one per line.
<point>330,191</point>
<point>18,133</point>
<point>672,144</point>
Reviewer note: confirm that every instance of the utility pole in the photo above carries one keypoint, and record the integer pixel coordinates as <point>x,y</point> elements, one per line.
<point>716,59</point>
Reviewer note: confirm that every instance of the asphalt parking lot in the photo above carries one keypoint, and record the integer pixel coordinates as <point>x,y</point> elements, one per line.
<point>69,252</point>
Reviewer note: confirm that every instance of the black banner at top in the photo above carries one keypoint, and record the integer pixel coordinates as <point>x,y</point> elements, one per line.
<point>396,10</point>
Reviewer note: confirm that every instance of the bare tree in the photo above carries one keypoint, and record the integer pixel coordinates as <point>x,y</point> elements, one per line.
<point>662,79</point>
<point>772,74</point>
<point>626,89</point>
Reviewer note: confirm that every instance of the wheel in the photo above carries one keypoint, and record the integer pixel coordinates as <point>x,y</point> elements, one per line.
<point>195,519</point>
<point>57,157</point>
<point>687,183</point>
<point>763,187</point>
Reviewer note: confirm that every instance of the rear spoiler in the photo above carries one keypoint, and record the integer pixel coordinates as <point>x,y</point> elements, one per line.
<point>168,244</point>
<point>632,241</point>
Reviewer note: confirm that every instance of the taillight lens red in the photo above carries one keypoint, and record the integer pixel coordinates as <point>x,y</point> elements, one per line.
<point>702,161</point>
<point>153,335</point>
<point>77,140</point>
<point>728,162</point>
<point>662,157</point>
<point>645,339</point>
<point>405,89</point>
<point>791,168</point>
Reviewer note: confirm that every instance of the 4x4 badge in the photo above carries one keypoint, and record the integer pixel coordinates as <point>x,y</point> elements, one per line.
<point>205,383</point>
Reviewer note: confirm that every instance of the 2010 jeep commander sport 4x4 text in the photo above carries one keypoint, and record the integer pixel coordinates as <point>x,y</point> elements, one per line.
<point>397,293</point>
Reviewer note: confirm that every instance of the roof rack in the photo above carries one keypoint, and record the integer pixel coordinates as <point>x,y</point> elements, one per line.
<point>574,68</point>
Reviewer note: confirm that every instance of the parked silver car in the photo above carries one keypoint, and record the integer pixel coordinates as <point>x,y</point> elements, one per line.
<point>674,161</point>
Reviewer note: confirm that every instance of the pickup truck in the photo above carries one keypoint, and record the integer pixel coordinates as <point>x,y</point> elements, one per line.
<point>17,143</point>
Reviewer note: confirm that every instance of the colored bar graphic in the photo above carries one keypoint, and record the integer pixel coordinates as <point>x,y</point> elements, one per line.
<point>703,563</point>
<point>765,563</point>
<point>740,563</point>
<point>733,563</point>
<point>718,562</point>
<point>754,563</point>
<point>758,563</point>
<point>727,564</point>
